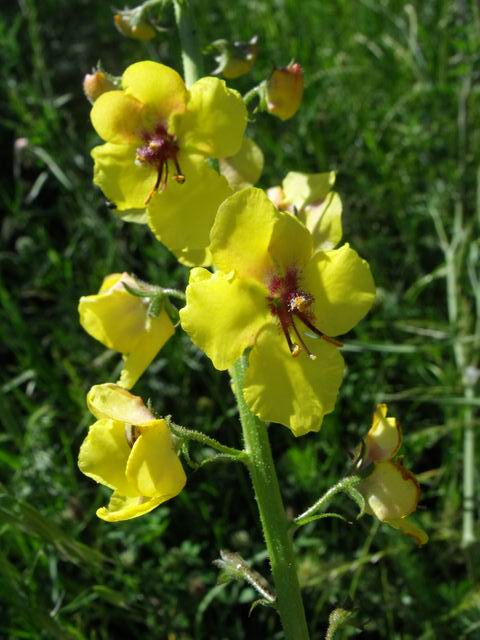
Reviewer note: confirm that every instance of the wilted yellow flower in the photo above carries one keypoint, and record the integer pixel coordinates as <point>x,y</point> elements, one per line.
<point>120,321</point>
<point>310,197</point>
<point>271,291</point>
<point>159,136</point>
<point>391,492</point>
<point>285,91</point>
<point>130,451</point>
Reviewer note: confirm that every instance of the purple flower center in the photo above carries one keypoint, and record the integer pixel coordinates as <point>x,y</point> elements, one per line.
<point>158,150</point>
<point>291,304</point>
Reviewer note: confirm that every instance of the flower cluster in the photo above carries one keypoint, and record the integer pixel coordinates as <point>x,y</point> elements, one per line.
<point>280,292</point>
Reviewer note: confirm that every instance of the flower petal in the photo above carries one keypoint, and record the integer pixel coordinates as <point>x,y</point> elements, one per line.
<point>215,120</point>
<point>115,319</point>
<point>160,88</point>
<point>125,508</point>
<point>153,467</point>
<point>245,167</point>
<point>324,221</point>
<point>384,438</point>
<point>118,118</point>
<point>242,233</point>
<point>223,314</point>
<point>342,287</point>
<point>111,280</point>
<point>290,244</point>
<point>296,392</point>
<point>155,334</point>
<point>123,182</point>
<point>409,528</point>
<point>302,189</point>
<point>391,491</point>
<point>104,455</point>
<point>114,402</point>
<point>182,216</point>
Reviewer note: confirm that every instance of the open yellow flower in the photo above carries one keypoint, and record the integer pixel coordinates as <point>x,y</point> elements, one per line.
<point>120,321</point>
<point>391,492</point>
<point>272,292</point>
<point>310,196</point>
<point>158,137</point>
<point>131,452</point>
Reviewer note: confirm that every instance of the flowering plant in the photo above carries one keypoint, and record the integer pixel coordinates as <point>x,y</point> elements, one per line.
<point>279,295</point>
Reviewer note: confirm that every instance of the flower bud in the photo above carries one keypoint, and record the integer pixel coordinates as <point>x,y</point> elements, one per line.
<point>235,59</point>
<point>96,83</point>
<point>130,25</point>
<point>285,91</point>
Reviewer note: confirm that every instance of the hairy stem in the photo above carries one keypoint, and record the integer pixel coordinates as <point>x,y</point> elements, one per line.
<point>191,54</point>
<point>272,514</point>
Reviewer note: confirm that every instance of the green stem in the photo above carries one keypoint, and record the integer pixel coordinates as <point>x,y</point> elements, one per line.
<point>345,484</point>
<point>453,298</point>
<point>468,523</point>
<point>251,95</point>
<point>198,436</point>
<point>191,53</point>
<point>272,514</point>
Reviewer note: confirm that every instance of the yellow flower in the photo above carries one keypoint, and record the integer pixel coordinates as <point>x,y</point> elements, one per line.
<point>120,321</point>
<point>131,452</point>
<point>159,136</point>
<point>391,492</point>
<point>309,195</point>
<point>272,292</point>
<point>285,91</point>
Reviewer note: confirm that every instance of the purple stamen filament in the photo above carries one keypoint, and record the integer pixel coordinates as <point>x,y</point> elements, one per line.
<point>158,149</point>
<point>289,303</point>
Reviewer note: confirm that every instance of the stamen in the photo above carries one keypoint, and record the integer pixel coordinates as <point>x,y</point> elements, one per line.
<point>178,177</point>
<point>294,348</point>
<point>316,331</point>
<point>157,184</point>
<point>311,355</point>
<point>158,150</point>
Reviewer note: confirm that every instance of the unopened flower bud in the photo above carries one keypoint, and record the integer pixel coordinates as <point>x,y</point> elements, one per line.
<point>96,83</point>
<point>130,25</point>
<point>235,59</point>
<point>285,91</point>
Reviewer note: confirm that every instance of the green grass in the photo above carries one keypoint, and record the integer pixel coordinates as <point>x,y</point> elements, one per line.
<point>392,102</point>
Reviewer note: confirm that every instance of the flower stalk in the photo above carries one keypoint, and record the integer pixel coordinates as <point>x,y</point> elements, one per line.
<point>191,53</point>
<point>272,513</point>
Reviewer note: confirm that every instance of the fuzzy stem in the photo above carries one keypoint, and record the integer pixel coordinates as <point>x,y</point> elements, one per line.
<point>343,485</point>
<point>272,514</point>
<point>191,53</point>
<point>198,436</point>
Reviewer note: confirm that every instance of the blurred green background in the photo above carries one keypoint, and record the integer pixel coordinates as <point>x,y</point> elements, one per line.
<point>392,103</point>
